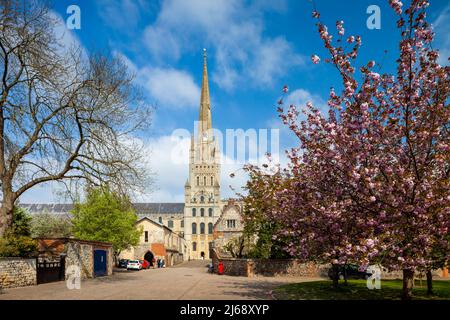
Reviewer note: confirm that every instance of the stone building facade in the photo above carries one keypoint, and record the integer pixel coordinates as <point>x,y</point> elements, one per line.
<point>229,225</point>
<point>159,242</point>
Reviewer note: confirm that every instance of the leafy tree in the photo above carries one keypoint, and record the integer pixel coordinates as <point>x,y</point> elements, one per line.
<point>65,115</point>
<point>17,242</point>
<point>106,216</point>
<point>47,225</point>
<point>259,203</point>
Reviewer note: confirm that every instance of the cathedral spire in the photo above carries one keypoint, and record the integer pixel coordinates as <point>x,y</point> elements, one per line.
<point>205,122</point>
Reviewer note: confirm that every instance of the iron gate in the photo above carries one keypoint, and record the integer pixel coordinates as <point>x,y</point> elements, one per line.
<point>50,271</point>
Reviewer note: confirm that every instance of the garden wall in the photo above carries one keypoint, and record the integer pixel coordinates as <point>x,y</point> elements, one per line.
<point>268,267</point>
<point>291,267</point>
<point>17,272</point>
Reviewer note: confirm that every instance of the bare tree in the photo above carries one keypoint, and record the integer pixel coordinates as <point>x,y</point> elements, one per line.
<point>64,116</point>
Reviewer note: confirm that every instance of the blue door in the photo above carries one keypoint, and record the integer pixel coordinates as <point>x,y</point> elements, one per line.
<point>99,263</point>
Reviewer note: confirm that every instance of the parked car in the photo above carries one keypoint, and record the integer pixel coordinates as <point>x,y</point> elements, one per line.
<point>145,264</point>
<point>123,263</point>
<point>352,271</point>
<point>134,265</point>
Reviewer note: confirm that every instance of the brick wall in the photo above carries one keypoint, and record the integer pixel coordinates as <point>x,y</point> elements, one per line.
<point>17,272</point>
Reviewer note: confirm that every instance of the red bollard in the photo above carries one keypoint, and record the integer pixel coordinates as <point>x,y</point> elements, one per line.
<point>220,268</point>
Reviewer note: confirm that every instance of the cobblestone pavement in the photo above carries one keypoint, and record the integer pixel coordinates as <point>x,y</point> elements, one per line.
<point>189,280</point>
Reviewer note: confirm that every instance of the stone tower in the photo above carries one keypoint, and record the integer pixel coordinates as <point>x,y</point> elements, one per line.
<point>202,190</point>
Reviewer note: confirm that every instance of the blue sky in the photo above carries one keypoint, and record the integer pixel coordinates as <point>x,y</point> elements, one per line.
<point>254,48</point>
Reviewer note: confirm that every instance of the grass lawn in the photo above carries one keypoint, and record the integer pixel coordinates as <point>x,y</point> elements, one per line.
<point>357,290</point>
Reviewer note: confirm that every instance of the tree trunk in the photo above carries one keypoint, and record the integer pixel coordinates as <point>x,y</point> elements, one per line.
<point>6,213</point>
<point>429,282</point>
<point>335,269</point>
<point>408,284</point>
<point>345,275</point>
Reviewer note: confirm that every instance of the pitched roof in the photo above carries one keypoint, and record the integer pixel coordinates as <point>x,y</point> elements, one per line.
<point>159,208</point>
<point>141,208</point>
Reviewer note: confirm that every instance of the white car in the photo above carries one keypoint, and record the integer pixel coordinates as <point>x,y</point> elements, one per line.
<point>134,265</point>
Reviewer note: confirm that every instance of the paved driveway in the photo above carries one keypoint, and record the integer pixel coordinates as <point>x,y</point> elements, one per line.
<point>189,280</point>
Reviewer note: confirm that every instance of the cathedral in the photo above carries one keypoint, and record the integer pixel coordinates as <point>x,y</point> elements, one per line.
<point>203,206</point>
<point>202,189</point>
<point>189,230</point>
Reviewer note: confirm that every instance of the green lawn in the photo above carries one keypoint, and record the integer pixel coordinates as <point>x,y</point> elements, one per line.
<point>357,290</point>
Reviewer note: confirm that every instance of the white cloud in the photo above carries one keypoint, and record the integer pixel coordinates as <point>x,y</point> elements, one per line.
<point>233,30</point>
<point>170,88</point>
<point>300,97</point>
<point>67,40</point>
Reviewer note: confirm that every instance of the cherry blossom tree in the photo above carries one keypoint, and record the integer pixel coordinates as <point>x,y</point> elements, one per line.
<point>369,182</point>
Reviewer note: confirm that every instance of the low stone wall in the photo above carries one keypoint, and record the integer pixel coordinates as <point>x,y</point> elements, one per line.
<point>286,267</point>
<point>268,267</point>
<point>437,274</point>
<point>292,267</point>
<point>17,272</point>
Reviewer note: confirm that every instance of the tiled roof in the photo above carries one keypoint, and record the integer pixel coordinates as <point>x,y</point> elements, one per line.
<point>159,208</point>
<point>141,208</point>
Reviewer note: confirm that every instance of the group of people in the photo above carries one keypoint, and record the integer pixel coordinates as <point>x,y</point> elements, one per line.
<point>159,263</point>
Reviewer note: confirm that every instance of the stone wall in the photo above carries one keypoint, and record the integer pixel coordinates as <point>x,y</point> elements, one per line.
<point>286,267</point>
<point>291,267</point>
<point>270,267</point>
<point>80,255</point>
<point>17,272</point>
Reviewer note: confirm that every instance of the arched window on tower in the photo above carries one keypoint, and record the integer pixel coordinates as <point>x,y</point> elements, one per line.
<point>210,228</point>
<point>202,199</point>
<point>194,212</point>
<point>202,212</point>
<point>212,181</point>
<point>204,180</point>
<point>198,181</point>
<point>194,246</point>
<point>194,228</point>
<point>202,228</point>
<point>210,212</point>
